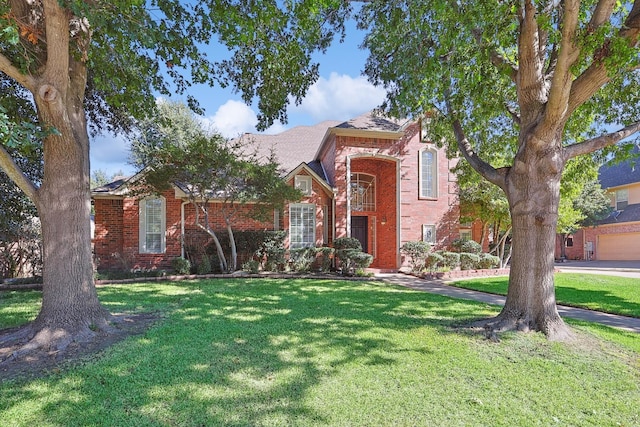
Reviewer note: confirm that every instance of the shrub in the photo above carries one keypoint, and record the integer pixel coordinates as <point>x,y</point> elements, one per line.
<point>434,260</point>
<point>251,266</point>
<point>488,261</point>
<point>271,252</point>
<point>204,266</point>
<point>472,247</point>
<point>361,260</point>
<point>450,259</point>
<point>468,261</point>
<point>347,243</point>
<point>181,265</point>
<point>301,259</point>
<point>326,254</point>
<point>466,245</point>
<point>417,251</point>
<point>349,252</point>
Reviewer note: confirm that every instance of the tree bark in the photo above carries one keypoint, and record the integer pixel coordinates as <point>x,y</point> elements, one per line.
<point>533,190</point>
<point>234,251</point>
<point>70,308</point>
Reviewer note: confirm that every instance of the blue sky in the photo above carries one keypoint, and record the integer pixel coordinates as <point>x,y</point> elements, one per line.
<point>341,93</point>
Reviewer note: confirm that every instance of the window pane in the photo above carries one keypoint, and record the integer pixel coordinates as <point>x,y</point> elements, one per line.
<point>302,224</point>
<point>363,192</point>
<point>428,174</point>
<point>153,225</point>
<point>622,199</point>
<point>154,243</point>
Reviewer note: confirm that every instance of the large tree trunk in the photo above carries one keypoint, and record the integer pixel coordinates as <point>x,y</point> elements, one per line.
<point>70,307</point>
<point>533,190</point>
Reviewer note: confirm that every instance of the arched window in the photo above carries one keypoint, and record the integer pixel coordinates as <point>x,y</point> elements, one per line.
<point>428,173</point>
<point>363,192</point>
<point>152,225</point>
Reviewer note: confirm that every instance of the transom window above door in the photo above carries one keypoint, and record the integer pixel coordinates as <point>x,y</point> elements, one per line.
<point>363,192</point>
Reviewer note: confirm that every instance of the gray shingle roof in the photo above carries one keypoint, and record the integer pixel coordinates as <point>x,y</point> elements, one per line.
<point>373,122</point>
<point>628,214</point>
<point>111,186</point>
<point>623,173</point>
<point>291,147</point>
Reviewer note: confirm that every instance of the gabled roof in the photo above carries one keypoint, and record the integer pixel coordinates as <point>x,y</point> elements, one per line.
<point>617,174</point>
<point>321,178</point>
<point>374,122</point>
<point>370,124</point>
<point>291,147</point>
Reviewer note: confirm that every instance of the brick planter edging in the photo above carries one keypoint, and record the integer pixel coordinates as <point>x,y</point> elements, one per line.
<point>467,274</point>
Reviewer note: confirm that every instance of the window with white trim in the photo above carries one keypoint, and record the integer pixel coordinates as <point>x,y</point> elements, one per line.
<point>302,225</point>
<point>428,169</point>
<point>622,199</point>
<point>429,233</point>
<point>152,225</point>
<point>303,183</point>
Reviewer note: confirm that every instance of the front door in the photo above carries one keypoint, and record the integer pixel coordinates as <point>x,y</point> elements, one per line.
<point>360,231</point>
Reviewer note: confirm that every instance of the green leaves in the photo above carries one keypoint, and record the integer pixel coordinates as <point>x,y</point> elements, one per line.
<point>10,35</point>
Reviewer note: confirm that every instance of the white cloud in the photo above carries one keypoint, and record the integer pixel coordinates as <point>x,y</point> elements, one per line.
<point>341,97</point>
<point>234,118</point>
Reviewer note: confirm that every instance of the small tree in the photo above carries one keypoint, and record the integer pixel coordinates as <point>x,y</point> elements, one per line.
<point>176,150</point>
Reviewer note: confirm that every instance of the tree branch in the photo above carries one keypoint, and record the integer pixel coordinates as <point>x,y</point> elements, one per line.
<point>529,78</point>
<point>11,168</point>
<point>596,76</point>
<point>599,142</point>
<point>568,53</point>
<point>27,81</point>
<point>483,168</point>
<point>601,14</point>
<point>57,34</point>
<point>500,62</point>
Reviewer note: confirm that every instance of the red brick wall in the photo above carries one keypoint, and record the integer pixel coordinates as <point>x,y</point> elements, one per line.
<point>382,241</point>
<point>575,252</point>
<point>108,238</point>
<point>442,211</point>
<point>116,242</point>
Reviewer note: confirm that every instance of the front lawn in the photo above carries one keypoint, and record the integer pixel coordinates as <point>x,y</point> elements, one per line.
<point>609,294</point>
<point>323,353</point>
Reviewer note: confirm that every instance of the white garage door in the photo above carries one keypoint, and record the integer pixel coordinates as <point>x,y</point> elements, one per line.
<point>619,247</point>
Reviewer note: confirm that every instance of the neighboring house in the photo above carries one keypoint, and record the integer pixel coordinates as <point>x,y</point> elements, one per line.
<point>371,178</point>
<point>617,237</point>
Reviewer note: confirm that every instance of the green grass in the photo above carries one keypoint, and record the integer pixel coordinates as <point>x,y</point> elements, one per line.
<point>609,294</point>
<point>325,353</point>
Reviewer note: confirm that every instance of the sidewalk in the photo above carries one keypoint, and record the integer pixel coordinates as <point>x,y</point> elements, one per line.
<point>630,324</point>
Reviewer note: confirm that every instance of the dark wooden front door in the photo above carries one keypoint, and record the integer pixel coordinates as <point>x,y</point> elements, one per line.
<point>360,230</point>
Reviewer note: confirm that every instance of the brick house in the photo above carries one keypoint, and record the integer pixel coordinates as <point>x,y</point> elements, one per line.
<point>372,178</point>
<point>616,237</point>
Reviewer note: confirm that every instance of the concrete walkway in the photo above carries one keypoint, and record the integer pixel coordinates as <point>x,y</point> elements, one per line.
<point>630,324</point>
